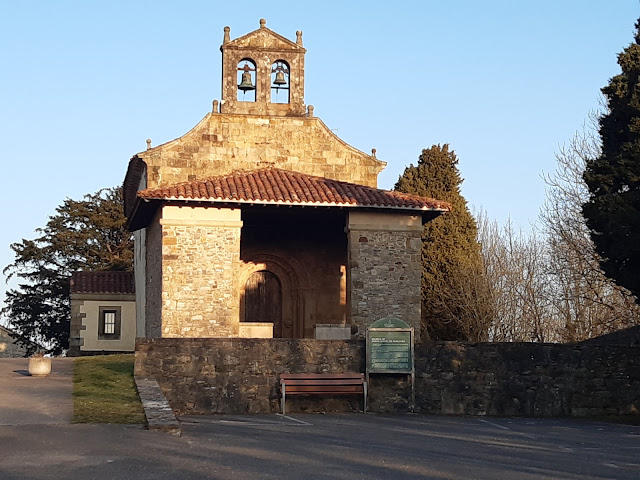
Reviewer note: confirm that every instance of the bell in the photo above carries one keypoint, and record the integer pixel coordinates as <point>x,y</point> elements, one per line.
<point>246,82</point>
<point>280,80</point>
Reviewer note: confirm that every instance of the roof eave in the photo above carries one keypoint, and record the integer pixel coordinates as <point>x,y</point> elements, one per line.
<point>143,212</point>
<point>220,201</point>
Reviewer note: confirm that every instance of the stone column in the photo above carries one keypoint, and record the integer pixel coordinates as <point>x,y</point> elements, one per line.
<point>384,268</point>
<point>75,337</point>
<point>200,258</point>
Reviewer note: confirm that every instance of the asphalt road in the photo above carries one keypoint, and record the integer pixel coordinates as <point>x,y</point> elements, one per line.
<point>26,400</point>
<point>314,446</point>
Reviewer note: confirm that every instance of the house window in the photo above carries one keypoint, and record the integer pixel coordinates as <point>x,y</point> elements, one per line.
<point>109,323</point>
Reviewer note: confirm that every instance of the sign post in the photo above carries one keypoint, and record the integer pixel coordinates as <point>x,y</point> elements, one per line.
<point>390,350</point>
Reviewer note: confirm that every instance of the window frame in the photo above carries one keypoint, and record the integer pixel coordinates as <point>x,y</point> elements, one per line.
<point>117,330</point>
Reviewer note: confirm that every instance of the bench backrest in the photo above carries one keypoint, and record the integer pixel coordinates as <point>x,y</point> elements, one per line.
<point>321,377</point>
<point>324,382</point>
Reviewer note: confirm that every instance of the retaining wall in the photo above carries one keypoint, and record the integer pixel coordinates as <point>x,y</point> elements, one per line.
<point>235,375</point>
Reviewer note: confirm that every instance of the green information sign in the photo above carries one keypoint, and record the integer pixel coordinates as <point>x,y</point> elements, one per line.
<point>390,350</point>
<point>390,346</point>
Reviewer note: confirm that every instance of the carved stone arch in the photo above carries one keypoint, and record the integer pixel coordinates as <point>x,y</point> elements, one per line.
<point>294,281</point>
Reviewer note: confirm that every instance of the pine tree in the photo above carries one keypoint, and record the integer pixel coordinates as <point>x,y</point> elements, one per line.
<point>88,234</point>
<point>455,302</point>
<point>612,211</point>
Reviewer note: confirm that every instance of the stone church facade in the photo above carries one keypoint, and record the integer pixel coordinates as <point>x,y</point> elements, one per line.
<point>261,222</point>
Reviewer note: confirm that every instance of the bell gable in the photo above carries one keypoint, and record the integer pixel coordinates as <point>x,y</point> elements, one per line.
<point>263,74</point>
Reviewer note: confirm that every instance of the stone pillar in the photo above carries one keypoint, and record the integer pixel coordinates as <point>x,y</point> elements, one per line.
<point>75,337</point>
<point>140,273</point>
<point>384,268</point>
<point>200,258</point>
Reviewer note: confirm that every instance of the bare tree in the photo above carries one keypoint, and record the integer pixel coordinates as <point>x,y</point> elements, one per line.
<point>586,302</point>
<point>546,284</point>
<point>515,269</point>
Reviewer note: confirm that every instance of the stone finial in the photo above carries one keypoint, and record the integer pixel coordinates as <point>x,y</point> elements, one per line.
<point>310,111</point>
<point>299,37</point>
<point>373,152</point>
<point>215,107</point>
<point>148,143</point>
<point>226,35</point>
<point>263,23</point>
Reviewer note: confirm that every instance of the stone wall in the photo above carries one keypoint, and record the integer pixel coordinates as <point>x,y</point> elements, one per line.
<point>528,379</point>
<point>237,375</point>
<point>200,257</point>
<point>240,376</point>
<point>221,144</point>
<point>140,268</point>
<point>153,280</point>
<point>76,327</point>
<point>385,268</point>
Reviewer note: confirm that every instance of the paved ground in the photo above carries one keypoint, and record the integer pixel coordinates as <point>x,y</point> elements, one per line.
<point>37,442</point>
<point>348,446</point>
<point>26,400</point>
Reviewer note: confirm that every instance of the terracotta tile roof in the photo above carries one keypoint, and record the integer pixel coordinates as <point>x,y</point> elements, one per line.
<point>102,282</point>
<point>282,187</point>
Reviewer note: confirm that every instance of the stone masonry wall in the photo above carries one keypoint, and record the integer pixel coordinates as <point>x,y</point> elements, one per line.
<point>153,281</point>
<point>385,274</point>
<point>223,143</point>
<point>238,375</point>
<point>528,379</point>
<point>235,375</point>
<point>75,327</point>
<point>199,286</point>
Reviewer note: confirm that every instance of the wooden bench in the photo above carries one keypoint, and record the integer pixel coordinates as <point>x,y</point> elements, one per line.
<point>322,384</point>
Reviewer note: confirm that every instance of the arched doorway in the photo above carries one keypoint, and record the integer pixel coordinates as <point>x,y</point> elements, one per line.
<point>263,300</point>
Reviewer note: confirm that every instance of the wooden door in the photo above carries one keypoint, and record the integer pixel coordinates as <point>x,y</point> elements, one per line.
<point>263,300</point>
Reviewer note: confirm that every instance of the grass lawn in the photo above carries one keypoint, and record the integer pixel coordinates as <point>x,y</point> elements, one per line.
<point>104,390</point>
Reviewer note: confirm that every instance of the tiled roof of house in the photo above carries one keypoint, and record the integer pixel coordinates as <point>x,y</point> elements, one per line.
<point>282,187</point>
<point>102,282</point>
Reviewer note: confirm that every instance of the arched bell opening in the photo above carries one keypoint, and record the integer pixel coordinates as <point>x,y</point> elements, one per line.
<point>280,82</point>
<point>247,80</point>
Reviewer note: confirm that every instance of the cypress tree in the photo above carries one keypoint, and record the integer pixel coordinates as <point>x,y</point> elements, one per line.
<point>612,211</point>
<point>455,304</point>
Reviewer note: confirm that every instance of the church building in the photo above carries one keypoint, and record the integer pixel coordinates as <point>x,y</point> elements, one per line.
<point>260,222</point>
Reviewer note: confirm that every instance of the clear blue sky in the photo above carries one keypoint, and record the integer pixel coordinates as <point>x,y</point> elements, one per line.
<point>84,83</point>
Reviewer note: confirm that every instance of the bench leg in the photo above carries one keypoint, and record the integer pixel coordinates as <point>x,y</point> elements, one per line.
<point>283,398</point>
<point>365,397</point>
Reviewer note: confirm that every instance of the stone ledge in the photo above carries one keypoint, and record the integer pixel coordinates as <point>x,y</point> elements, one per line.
<point>159,414</point>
